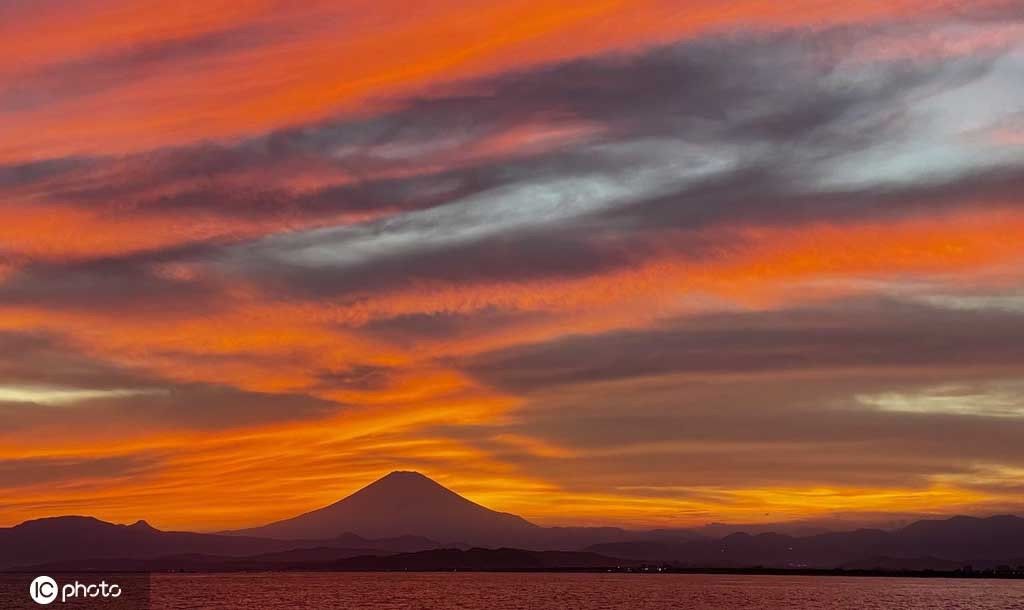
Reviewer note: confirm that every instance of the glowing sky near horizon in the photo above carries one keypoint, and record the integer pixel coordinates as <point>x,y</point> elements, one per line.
<point>623,262</point>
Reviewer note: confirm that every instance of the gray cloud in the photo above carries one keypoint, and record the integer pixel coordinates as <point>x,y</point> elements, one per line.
<point>40,359</point>
<point>360,377</point>
<point>870,393</point>
<point>791,91</point>
<point>38,471</point>
<point>445,325</point>
<point>44,381</point>
<point>174,406</point>
<point>748,130</point>
<point>676,433</point>
<point>132,284</point>
<point>87,76</point>
<point>877,335</point>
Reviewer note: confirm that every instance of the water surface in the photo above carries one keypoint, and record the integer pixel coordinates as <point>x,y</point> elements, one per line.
<point>542,591</point>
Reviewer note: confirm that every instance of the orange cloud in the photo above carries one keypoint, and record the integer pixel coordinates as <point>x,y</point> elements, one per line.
<point>277,347</point>
<point>117,77</point>
<point>346,56</point>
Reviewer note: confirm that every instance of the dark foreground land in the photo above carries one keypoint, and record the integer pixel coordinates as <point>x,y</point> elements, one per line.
<point>479,560</point>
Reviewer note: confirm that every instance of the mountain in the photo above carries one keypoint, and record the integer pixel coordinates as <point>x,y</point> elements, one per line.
<point>407,521</point>
<point>81,537</point>
<point>404,503</point>
<point>85,538</point>
<point>958,540</point>
<point>970,537</point>
<point>744,550</point>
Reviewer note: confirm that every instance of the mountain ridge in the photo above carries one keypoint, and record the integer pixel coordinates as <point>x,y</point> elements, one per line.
<point>961,539</point>
<point>76,537</point>
<point>411,513</point>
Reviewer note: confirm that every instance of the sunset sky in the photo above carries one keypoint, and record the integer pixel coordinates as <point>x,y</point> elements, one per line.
<point>645,263</point>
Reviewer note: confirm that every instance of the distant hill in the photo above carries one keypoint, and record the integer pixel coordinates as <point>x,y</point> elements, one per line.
<point>79,538</point>
<point>958,540</point>
<point>964,537</point>
<point>403,503</point>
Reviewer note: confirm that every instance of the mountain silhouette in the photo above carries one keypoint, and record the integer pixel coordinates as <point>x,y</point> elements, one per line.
<point>998,536</point>
<point>74,538</point>
<point>434,527</point>
<point>404,503</point>
<point>83,543</point>
<point>958,540</point>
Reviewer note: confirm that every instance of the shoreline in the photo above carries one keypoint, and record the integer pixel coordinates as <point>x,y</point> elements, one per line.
<point>956,574</point>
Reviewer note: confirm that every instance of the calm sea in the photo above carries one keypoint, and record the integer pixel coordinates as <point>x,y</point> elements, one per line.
<point>487,591</point>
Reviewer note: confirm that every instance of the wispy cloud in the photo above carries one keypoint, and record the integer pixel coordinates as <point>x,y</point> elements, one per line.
<point>571,250</point>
